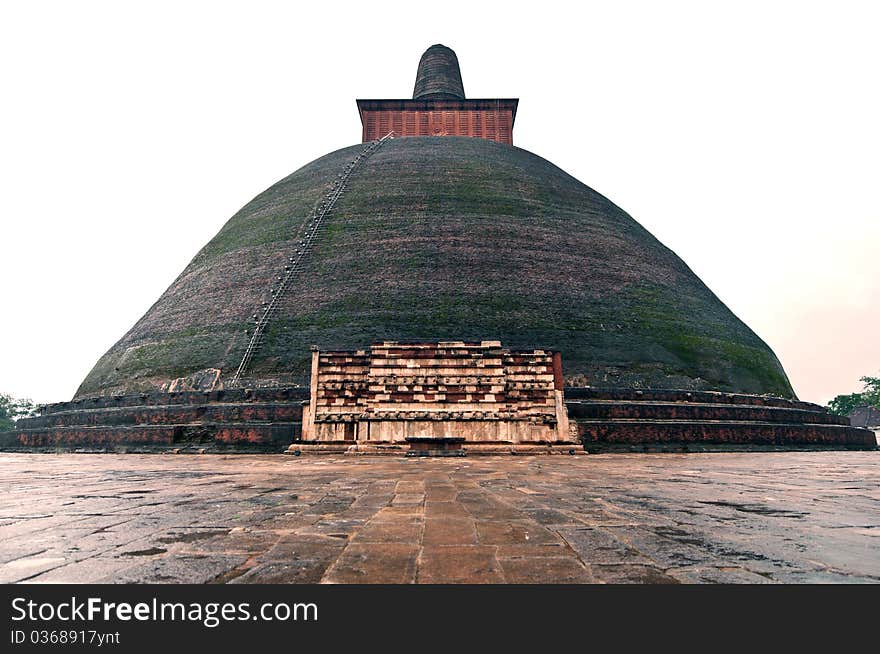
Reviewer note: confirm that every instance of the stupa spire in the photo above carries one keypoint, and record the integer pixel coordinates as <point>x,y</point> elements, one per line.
<point>438,76</point>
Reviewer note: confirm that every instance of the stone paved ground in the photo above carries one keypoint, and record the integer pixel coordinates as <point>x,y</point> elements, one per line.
<point>654,518</point>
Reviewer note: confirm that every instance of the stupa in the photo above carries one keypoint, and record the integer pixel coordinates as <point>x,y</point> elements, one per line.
<point>435,289</point>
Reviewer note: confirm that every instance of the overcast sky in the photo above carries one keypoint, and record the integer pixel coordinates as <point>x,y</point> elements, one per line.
<point>744,135</point>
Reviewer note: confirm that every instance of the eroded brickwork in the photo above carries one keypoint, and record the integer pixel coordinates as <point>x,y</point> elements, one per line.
<point>270,419</point>
<point>480,391</point>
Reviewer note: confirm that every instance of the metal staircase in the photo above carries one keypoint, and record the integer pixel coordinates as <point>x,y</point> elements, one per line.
<point>296,260</point>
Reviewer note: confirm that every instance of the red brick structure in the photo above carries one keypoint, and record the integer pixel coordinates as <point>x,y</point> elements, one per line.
<point>439,107</point>
<point>265,419</point>
<point>442,392</point>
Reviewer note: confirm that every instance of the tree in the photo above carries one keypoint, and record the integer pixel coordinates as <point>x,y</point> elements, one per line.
<point>870,396</point>
<point>11,409</point>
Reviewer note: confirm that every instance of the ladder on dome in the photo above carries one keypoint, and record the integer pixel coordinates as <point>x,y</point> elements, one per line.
<point>295,262</point>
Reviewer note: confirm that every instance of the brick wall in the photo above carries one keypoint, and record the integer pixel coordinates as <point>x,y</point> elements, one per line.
<point>477,390</point>
<point>486,119</point>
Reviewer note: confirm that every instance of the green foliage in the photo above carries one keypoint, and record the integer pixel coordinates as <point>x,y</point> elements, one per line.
<point>11,409</point>
<point>870,396</point>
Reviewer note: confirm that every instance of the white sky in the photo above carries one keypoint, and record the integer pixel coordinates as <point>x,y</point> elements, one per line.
<point>744,135</point>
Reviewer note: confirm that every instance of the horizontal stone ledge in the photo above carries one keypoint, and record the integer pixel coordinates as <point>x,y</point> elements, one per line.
<point>648,422</point>
<point>429,382</point>
<point>680,411</point>
<point>168,414</point>
<point>744,433</point>
<point>219,434</point>
<point>685,446</point>
<point>347,447</point>
<point>468,448</point>
<point>78,436</point>
<point>524,449</point>
<point>238,395</point>
<point>432,417</point>
<point>599,394</point>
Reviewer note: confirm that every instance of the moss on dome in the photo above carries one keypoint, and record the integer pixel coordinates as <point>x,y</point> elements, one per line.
<point>446,238</point>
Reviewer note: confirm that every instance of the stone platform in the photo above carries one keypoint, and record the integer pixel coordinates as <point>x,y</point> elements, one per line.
<point>790,517</point>
<point>270,420</point>
<point>224,420</point>
<point>399,449</point>
<point>608,419</point>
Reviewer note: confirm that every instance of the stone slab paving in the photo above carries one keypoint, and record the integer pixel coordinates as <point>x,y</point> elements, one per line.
<point>790,517</point>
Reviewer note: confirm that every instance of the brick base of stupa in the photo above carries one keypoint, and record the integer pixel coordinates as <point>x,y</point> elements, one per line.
<point>270,420</point>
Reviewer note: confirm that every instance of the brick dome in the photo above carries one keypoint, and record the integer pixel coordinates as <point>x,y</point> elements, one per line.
<point>442,238</point>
